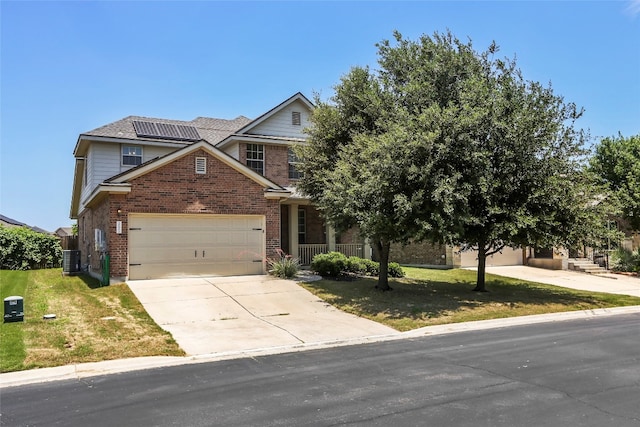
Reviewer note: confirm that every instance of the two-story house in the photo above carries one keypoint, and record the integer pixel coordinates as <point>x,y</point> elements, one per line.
<point>165,198</point>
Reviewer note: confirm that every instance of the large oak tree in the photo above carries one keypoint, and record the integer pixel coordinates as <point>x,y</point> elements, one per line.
<point>446,143</point>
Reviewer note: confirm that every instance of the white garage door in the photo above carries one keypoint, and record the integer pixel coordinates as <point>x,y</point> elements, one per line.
<point>195,245</point>
<point>508,256</point>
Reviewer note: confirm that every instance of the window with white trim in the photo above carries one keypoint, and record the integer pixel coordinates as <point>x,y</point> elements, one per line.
<point>131,155</point>
<point>302,226</point>
<point>293,160</point>
<point>86,171</point>
<point>255,157</point>
<point>201,165</point>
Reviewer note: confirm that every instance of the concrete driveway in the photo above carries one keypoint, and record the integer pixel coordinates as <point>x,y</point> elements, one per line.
<point>209,315</point>
<point>609,283</point>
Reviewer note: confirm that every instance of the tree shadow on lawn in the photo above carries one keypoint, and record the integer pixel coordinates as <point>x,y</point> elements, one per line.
<point>420,302</point>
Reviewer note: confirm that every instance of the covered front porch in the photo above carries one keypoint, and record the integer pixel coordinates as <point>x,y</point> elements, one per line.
<point>304,234</point>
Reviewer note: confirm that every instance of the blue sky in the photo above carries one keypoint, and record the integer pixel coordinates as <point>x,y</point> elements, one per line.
<point>69,67</point>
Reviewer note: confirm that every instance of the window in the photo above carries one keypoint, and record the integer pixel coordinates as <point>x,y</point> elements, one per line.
<point>302,227</point>
<point>131,155</point>
<point>295,118</point>
<point>293,162</point>
<point>86,171</point>
<point>255,157</point>
<point>201,165</point>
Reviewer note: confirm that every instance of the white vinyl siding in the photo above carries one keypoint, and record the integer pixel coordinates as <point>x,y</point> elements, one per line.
<point>233,150</point>
<point>280,124</point>
<point>103,160</point>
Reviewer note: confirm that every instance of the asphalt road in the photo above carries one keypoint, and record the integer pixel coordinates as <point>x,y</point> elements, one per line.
<point>572,373</point>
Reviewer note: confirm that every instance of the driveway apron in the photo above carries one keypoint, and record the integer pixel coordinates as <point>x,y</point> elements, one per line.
<point>209,315</point>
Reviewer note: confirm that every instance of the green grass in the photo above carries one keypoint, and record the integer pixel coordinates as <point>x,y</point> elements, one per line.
<point>92,323</point>
<point>432,297</point>
<point>12,348</point>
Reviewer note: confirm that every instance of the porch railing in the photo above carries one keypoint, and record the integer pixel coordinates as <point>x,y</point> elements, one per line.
<point>350,249</point>
<point>308,251</point>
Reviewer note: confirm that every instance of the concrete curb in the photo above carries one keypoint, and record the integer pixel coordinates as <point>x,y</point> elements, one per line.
<point>86,370</point>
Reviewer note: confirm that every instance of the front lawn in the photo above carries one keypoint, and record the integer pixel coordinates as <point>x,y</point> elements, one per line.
<point>433,297</point>
<point>92,323</point>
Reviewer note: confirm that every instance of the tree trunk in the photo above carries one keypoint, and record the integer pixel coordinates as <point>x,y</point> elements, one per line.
<point>482,263</point>
<point>383,278</point>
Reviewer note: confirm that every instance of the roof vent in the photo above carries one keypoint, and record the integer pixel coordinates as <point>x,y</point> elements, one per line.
<point>201,165</point>
<point>295,118</point>
<point>166,131</point>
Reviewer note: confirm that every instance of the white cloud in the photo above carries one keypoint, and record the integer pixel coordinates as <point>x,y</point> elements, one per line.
<point>633,8</point>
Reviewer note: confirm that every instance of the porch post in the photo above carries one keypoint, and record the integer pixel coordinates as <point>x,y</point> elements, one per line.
<point>331,238</point>
<point>293,231</point>
<point>367,250</point>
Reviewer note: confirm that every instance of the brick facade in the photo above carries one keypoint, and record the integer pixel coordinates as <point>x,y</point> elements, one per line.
<point>423,253</point>
<point>90,220</point>
<point>276,163</point>
<point>351,235</point>
<point>175,188</point>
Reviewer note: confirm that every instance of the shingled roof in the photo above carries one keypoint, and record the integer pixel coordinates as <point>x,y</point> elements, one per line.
<point>210,129</point>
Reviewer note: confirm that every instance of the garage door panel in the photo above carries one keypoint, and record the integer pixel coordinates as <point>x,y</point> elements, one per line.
<point>508,256</point>
<point>193,245</point>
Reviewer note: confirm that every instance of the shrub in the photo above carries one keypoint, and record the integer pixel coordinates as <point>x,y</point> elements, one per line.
<point>357,265</point>
<point>23,249</point>
<point>373,267</point>
<point>332,264</point>
<point>335,264</point>
<point>395,270</point>
<point>285,266</point>
<point>625,260</point>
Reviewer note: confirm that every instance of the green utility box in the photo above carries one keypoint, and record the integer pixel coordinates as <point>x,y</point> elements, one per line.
<point>14,309</point>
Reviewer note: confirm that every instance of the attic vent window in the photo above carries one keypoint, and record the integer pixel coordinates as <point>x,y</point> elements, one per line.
<point>201,165</point>
<point>166,131</point>
<point>295,118</point>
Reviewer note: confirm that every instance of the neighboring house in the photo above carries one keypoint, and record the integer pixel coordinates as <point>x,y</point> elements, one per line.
<point>64,232</point>
<point>9,222</point>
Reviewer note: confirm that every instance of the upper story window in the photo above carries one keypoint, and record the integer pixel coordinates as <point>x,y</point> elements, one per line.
<point>295,118</point>
<point>131,155</point>
<point>86,171</point>
<point>302,226</point>
<point>255,157</point>
<point>293,163</point>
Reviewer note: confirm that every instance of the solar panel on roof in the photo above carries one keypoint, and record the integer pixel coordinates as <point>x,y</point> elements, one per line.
<point>166,131</point>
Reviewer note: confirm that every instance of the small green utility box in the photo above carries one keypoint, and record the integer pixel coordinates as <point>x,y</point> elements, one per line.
<point>14,309</point>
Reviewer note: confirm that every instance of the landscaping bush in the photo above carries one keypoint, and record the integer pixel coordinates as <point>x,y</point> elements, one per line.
<point>285,266</point>
<point>395,270</point>
<point>625,260</point>
<point>24,249</point>
<point>357,265</point>
<point>335,264</point>
<point>332,264</point>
